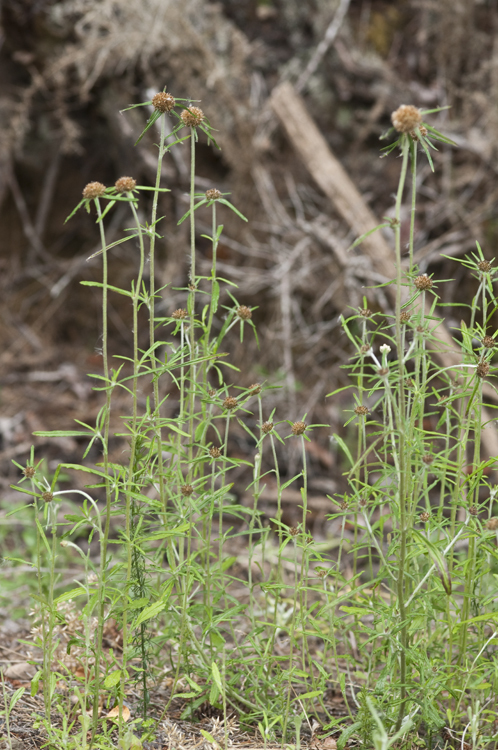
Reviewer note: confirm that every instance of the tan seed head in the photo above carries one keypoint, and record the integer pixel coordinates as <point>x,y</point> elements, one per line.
<point>406,118</point>
<point>212,194</point>
<point>93,190</point>
<point>192,117</point>
<point>482,369</point>
<point>163,102</point>
<point>230,402</point>
<point>423,282</point>
<point>179,314</point>
<point>125,184</point>
<point>244,312</point>
<point>298,428</point>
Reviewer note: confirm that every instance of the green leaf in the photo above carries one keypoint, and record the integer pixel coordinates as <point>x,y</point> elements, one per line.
<point>312,694</point>
<point>112,679</point>
<point>149,612</point>
<point>108,286</point>
<point>69,595</point>
<point>34,683</point>
<point>340,442</point>
<point>216,676</point>
<point>19,692</point>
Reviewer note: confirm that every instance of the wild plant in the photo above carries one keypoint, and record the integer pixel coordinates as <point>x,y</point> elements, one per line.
<point>397,612</point>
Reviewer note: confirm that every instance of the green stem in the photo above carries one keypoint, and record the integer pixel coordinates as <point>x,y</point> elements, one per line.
<point>105,448</point>
<point>402,469</point>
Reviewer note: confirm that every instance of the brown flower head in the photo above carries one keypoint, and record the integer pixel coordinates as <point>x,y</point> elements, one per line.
<point>404,316</point>
<point>230,402</point>
<point>492,524</point>
<point>427,459</point>
<point>215,452</point>
<point>163,102</point>
<point>365,312</point>
<point>192,117</point>
<point>125,184</point>
<point>473,510</point>
<point>344,505</point>
<point>293,531</point>
<point>47,497</point>
<point>425,516</point>
<point>266,427</point>
<point>187,490</point>
<point>254,389</point>
<point>213,195</point>
<point>364,348</point>
<point>93,190</point>
<point>29,472</point>
<point>484,266</point>
<point>382,371</point>
<point>179,314</point>
<point>406,118</point>
<point>423,282</point>
<point>361,411</point>
<point>212,392</point>
<point>482,369</point>
<point>298,428</point>
<point>488,342</point>
<point>244,312</point>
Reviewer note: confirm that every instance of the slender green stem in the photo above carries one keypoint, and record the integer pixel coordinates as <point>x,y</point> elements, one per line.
<point>108,493</point>
<point>403,468</point>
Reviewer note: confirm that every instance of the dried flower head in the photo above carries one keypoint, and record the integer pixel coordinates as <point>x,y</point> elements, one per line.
<point>192,287</point>
<point>179,314</point>
<point>420,329</point>
<point>383,371</point>
<point>423,282</point>
<point>406,118</point>
<point>29,472</point>
<point>254,389</point>
<point>492,524</point>
<point>488,342</point>
<point>212,392</point>
<point>473,510</point>
<point>484,266</point>
<point>213,194</point>
<point>93,190</point>
<point>266,427</point>
<point>404,316</point>
<point>427,458</point>
<point>298,428</point>
<point>344,505</point>
<point>125,184</point>
<point>365,312</point>
<point>192,117</point>
<point>244,312</point>
<point>364,348</point>
<point>361,411</point>
<point>187,490</point>
<point>163,102</point>
<point>321,572</point>
<point>47,497</point>
<point>230,402</point>
<point>363,502</point>
<point>424,516</point>
<point>482,369</point>
<point>215,452</point>
<point>293,531</point>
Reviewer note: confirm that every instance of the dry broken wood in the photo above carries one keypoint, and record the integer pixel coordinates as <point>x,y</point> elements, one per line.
<point>329,174</point>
